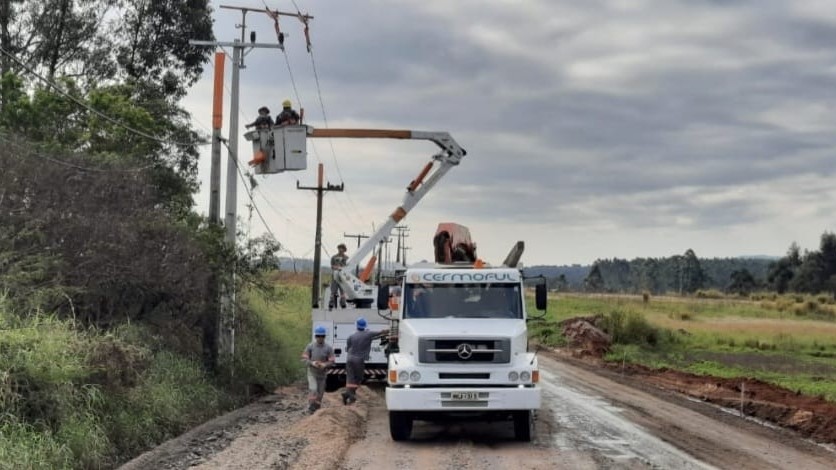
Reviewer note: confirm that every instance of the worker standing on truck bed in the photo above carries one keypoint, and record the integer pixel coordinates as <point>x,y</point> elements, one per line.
<point>318,356</point>
<point>358,347</point>
<point>338,262</point>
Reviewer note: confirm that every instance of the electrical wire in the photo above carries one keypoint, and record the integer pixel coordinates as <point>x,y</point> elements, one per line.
<point>234,157</point>
<point>96,111</point>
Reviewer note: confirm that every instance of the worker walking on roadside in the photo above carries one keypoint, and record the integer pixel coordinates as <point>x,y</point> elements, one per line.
<point>358,347</point>
<point>318,357</point>
<point>288,116</point>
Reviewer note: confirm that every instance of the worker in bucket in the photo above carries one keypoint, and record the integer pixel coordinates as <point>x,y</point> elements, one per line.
<point>263,121</point>
<point>288,116</point>
<point>318,357</point>
<point>358,347</point>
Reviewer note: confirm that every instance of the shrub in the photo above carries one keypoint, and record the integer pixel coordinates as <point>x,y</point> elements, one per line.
<point>709,294</point>
<point>631,328</point>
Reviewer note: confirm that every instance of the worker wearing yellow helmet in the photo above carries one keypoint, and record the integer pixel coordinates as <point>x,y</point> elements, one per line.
<point>288,117</point>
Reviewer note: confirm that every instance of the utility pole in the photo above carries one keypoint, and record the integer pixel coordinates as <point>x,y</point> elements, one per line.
<point>216,320</point>
<point>320,190</point>
<point>359,237</point>
<point>404,253</point>
<point>381,260</point>
<point>402,234</point>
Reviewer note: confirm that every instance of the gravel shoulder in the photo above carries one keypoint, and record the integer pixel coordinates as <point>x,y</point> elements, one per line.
<point>592,417</point>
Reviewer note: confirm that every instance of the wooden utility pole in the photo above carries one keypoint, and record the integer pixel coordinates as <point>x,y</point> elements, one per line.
<point>402,234</point>
<point>320,191</point>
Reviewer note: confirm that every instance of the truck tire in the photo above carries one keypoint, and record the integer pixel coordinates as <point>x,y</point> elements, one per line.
<point>523,425</point>
<point>400,425</point>
<point>334,382</point>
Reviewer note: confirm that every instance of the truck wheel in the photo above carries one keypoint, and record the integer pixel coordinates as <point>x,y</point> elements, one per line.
<point>333,382</point>
<point>400,425</point>
<point>523,425</point>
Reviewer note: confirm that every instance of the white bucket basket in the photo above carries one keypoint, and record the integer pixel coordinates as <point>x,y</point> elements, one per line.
<point>279,149</point>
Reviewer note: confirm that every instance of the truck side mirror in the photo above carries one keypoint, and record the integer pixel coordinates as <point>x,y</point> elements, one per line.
<point>382,297</point>
<point>540,296</point>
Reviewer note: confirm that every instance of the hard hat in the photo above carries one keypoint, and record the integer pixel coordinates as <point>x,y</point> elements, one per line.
<point>361,323</point>
<point>319,331</point>
<point>286,103</point>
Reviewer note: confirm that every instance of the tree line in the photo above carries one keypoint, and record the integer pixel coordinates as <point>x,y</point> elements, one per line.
<point>803,272</point>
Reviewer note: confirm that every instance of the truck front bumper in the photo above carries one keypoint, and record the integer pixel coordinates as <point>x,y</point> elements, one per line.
<point>462,398</point>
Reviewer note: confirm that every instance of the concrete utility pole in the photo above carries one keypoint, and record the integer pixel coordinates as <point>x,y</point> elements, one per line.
<point>213,338</point>
<point>359,237</point>
<point>320,191</point>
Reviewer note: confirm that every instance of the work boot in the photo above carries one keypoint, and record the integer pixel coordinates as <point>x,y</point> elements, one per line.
<point>343,305</point>
<point>345,396</point>
<point>312,408</point>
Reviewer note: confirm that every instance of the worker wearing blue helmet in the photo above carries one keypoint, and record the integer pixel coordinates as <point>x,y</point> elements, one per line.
<point>318,357</point>
<point>358,347</point>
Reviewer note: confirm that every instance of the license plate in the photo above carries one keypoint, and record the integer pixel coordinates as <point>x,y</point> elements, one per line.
<point>464,396</point>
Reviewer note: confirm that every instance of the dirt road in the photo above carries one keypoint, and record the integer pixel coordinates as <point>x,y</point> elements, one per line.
<point>587,421</point>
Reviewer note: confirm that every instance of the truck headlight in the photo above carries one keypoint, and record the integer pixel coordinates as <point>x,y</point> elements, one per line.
<point>525,376</point>
<point>415,376</point>
<point>403,376</point>
<point>513,376</point>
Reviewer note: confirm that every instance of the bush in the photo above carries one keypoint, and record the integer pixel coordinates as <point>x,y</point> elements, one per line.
<point>709,294</point>
<point>68,400</point>
<point>632,328</point>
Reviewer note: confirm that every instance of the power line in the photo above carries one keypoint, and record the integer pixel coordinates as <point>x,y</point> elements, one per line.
<point>95,111</point>
<point>249,193</point>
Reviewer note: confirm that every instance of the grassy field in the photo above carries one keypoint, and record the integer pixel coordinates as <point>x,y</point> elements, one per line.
<point>786,340</point>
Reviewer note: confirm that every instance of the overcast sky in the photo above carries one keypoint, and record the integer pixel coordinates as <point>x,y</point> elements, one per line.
<point>594,129</point>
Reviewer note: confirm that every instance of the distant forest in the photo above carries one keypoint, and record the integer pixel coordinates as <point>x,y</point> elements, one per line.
<point>808,272</point>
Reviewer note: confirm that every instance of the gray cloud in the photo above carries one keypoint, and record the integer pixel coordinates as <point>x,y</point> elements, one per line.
<point>662,114</point>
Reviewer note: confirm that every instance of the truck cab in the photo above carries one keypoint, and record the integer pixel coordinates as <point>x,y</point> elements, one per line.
<point>462,348</point>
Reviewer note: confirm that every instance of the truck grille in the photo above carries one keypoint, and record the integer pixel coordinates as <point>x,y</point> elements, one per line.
<point>466,350</point>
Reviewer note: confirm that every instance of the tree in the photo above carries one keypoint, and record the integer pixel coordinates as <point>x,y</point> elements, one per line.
<point>691,274</point>
<point>154,48</point>
<point>742,282</point>
<point>594,282</point>
<point>561,284</point>
<point>780,274</point>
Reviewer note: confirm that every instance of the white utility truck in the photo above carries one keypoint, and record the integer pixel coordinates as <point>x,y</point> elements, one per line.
<point>283,148</point>
<point>462,345</point>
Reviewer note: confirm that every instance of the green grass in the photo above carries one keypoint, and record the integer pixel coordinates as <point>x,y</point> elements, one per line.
<point>272,336</point>
<point>82,398</point>
<point>722,337</point>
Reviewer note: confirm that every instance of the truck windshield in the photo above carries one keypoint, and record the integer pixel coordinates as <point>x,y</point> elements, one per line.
<point>462,301</point>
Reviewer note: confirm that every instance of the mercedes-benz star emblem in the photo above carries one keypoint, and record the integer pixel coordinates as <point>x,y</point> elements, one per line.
<point>465,350</point>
